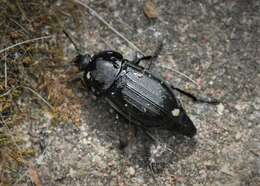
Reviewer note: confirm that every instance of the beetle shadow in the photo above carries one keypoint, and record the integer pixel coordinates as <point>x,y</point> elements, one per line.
<point>133,142</point>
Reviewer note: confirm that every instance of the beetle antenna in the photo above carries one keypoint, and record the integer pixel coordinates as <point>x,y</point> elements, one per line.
<point>59,66</point>
<point>72,41</point>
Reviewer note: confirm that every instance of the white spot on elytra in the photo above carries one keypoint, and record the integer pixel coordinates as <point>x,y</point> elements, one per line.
<point>176,112</point>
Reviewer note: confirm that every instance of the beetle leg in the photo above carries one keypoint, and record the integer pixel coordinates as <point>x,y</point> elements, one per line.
<point>77,79</point>
<point>137,59</point>
<point>195,98</point>
<point>74,80</point>
<point>83,83</point>
<point>153,57</point>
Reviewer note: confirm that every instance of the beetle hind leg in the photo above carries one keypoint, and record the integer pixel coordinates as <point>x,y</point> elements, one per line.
<point>196,98</point>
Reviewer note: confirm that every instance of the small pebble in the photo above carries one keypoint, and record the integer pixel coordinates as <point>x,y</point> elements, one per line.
<point>131,171</point>
<point>220,108</point>
<point>238,136</point>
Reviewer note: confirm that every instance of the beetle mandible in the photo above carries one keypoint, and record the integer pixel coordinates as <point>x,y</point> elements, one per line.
<point>134,91</point>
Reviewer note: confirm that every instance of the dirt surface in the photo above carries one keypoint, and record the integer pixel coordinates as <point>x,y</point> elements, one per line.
<point>216,43</point>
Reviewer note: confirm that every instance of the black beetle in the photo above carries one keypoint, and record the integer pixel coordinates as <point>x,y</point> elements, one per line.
<point>135,92</point>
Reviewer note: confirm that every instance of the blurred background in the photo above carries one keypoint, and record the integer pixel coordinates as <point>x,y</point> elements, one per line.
<point>54,132</point>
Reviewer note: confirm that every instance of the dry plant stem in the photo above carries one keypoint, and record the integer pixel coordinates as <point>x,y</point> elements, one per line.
<point>178,72</point>
<point>18,3</point>
<point>5,73</point>
<point>24,42</point>
<point>30,89</point>
<point>39,96</point>
<point>8,92</point>
<point>95,14</point>
<point>19,25</point>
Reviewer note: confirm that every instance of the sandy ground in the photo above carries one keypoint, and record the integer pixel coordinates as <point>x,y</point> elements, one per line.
<point>216,44</point>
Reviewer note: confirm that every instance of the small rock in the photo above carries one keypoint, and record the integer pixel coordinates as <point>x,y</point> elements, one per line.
<point>220,108</point>
<point>241,106</point>
<point>139,30</point>
<point>116,13</point>
<point>238,107</point>
<point>225,169</point>
<point>208,163</point>
<point>72,173</point>
<point>238,136</point>
<point>150,9</point>
<point>131,171</point>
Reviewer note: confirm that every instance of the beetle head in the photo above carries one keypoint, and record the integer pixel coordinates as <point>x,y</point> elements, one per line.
<point>183,124</point>
<point>84,62</point>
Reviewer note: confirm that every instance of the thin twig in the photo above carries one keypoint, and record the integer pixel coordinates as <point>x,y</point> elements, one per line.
<point>24,42</point>
<point>178,72</point>
<point>95,14</point>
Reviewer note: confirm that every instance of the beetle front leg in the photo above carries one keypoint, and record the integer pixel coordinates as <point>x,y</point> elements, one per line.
<point>137,59</point>
<point>153,57</point>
